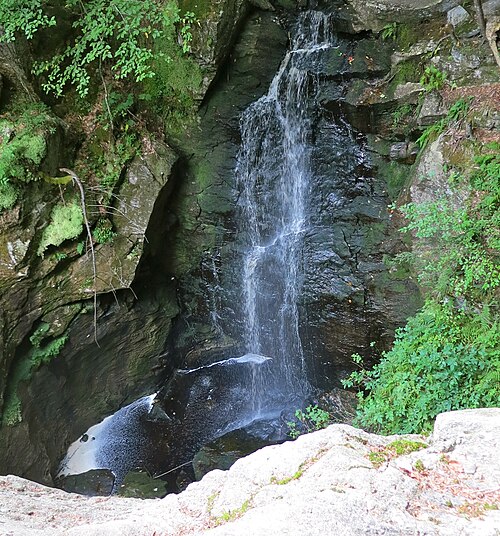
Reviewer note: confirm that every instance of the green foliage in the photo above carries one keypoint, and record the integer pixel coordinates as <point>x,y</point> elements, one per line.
<point>377,458</point>
<point>389,31</point>
<point>433,78</point>
<point>440,361</point>
<point>431,133</point>
<point>457,112</point>
<point>66,222</point>
<point>118,33</point>
<point>24,16</point>
<point>40,356</point>
<point>59,256</point>
<point>448,355</point>
<point>103,231</point>
<point>186,25</point>
<point>401,113</point>
<point>172,92</point>
<point>313,418</point>
<point>118,106</point>
<point>114,34</point>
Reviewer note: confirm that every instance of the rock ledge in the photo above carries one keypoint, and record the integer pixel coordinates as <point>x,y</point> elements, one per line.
<point>322,483</point>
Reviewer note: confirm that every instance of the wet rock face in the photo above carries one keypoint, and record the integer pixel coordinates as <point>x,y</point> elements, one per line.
<point>199,243</point>
<point>349,298</point>
<point>81,381</point>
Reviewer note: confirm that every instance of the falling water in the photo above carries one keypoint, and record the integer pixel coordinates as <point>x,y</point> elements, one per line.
<point>273,174</point>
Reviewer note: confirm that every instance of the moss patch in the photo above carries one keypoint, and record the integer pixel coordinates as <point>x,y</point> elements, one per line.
<point>66,222</point>
<point>397,448</point>
<point>41,352</point>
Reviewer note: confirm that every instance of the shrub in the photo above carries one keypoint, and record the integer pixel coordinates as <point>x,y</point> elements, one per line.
<point>311,419</point>
<point>448,355</point>
<point>433,78</point>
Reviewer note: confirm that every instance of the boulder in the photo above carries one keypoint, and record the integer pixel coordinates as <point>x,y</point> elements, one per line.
<point>432,110</point>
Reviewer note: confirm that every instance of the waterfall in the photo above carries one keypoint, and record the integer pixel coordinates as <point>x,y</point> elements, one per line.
<point>273,176</point>
<point>202,403</point>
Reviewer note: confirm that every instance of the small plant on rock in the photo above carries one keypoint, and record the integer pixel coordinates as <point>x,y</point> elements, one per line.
<point>397,448</point>
<point>389,31</point>
<point>311,419</point>
<point>433,78</point>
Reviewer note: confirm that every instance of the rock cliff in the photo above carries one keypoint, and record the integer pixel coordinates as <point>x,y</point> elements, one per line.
<point>174,216</point>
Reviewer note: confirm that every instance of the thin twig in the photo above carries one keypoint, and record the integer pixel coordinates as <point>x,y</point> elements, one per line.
<point>173,469</point>
<point>106,96</point>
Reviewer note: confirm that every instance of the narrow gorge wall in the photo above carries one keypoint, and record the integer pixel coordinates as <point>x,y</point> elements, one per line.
<point>170,285</point>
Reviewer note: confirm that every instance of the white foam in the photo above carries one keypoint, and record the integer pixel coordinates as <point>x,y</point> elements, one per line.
<point>84,454</point>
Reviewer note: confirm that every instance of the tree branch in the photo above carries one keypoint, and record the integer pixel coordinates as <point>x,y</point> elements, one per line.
<point>79,184</point>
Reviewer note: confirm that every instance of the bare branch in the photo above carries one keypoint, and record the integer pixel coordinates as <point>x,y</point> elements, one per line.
<point>79,184</point>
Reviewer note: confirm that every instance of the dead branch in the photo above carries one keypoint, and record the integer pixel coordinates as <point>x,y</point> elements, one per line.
<point>79,184</point>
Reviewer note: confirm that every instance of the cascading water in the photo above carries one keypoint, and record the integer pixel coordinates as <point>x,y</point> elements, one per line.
<point>197,405</point>
<point>273,173</point>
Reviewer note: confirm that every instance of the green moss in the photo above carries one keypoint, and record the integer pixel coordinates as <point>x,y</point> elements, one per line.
<point>8,195</point>
<point>406,36</point>
<point>103,157</point>
<point>23,147</point>
<point>201,8</point>
<point>397,448</point>
<point>66,223</point>
<point>172,92</point>
<point>400,447</point>
<point>374,235</point>
<point>377,458</point>
<point>232,515</point>
<point>39,334</point>
<point>38,355</point>
<point>396,177</point>
<point>286,480</point>
<point>408,71</point>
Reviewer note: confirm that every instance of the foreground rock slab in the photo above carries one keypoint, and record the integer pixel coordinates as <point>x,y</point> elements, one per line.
<point>322,483</point>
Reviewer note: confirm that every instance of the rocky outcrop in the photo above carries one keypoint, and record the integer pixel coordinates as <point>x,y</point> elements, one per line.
<point>375,14</point>
<point>338,480</point>
<point>46,299</point>
<point>92,359</point>
<point>350,298</point>
<point>160,303</point>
